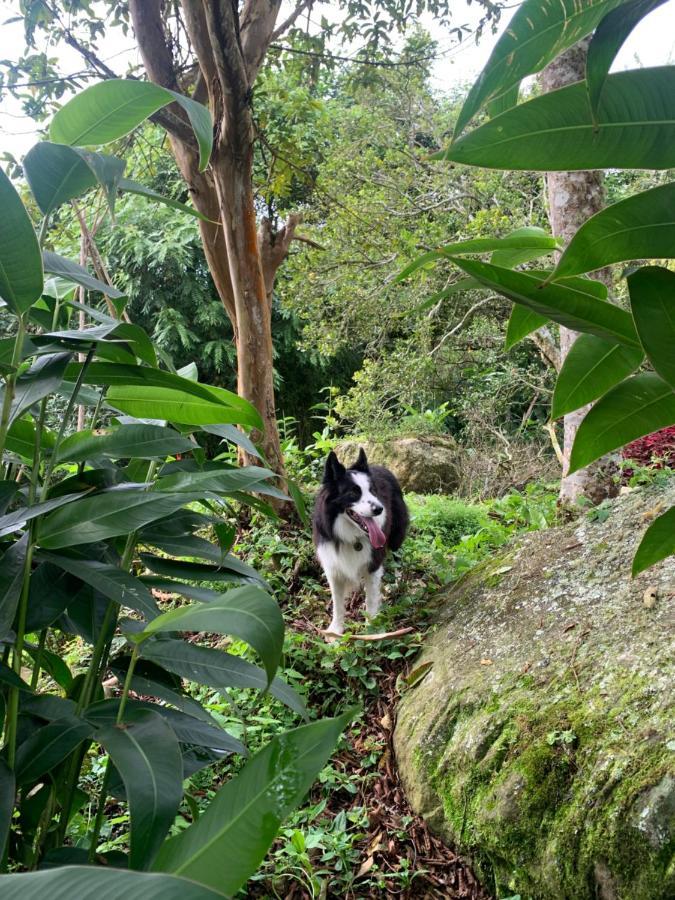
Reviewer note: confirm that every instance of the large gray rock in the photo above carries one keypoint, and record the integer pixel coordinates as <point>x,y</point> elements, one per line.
<point>423,465</point>
<point>540,740</point>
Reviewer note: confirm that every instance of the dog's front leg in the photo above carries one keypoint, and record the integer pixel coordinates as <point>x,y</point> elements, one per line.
<point>373,592</point>
<point>338,589</point>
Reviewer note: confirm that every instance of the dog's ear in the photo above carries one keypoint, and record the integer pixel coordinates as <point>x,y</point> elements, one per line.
<point>361,464</point>
<point>333,470</point>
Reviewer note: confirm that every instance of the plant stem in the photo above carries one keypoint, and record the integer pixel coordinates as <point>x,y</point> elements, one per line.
<point>103,794</point>
<point>64,423</point>
<point>10,383</point>
<point>38,662</point>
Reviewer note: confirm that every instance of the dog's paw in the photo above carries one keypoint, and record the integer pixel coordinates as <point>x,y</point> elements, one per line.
<point>333,633</point>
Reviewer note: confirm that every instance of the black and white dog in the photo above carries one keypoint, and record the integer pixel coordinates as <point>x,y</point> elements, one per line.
<point>359,513</point>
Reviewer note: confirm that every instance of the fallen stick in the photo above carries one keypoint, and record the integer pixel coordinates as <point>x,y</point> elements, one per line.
<point>382,636</point>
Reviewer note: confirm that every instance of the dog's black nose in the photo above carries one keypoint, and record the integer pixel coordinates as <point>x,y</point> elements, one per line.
<point>376,509</point>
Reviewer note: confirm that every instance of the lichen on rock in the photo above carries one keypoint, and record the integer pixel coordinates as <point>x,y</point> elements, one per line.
<point>541,740</point>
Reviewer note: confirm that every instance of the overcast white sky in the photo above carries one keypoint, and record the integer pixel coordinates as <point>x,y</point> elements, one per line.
<point>651,44</point>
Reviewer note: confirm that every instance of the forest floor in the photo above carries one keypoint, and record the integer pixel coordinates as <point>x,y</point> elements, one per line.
<point>356,836</point>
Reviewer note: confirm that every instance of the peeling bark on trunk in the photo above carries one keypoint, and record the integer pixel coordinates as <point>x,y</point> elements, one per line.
<point>229,46</point>
<point>573,197</point>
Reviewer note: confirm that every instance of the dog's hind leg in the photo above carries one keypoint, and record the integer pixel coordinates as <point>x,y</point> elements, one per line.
<point>339,588</point>
<point>373,592</point>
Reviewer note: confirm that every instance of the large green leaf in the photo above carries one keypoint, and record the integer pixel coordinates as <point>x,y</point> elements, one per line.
<point>525,240</point>
<point>113,582</point>
<point>133,187</point>
<point>21,277</point>
<point>652,301</point>
<point>608,39</point>
<point>117,375</point>
<point>636,407</point>
<point>537,33</point>
<point>42,379</point>
<point>225,846</point>
<point>48,746</point>
<point>146,753</point>
<point>216,668</point>
<point>175,568</point>
<point>12,567</point>
<point>177,406</point>
<point>187,728</point>
<point>590,369</point>
<point>234,436</point>
<point>56,173</point>
<point>17,519</point>
<point>658,542</point>
<point>247,612</point>
<point>640,227</point>
<point>107,514</point>
<point>571,304</point>
<point>71,271</point>
<point>635,129</point>
<point>522,321</point>
<point>221,481</point>
<point>21,438</point>
<point>136,441</point>
<point>110,109</point>
<point>101,883</point>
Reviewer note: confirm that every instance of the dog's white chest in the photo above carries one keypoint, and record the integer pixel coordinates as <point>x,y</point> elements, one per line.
<point>345,560</point>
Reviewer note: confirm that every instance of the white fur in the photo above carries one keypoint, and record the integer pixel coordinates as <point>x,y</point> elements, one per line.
<point>346,567</point>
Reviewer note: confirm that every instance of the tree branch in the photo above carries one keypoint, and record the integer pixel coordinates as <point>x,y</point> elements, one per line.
<point>257,26</point>
<point>543,341</point>
<point>290,21</point>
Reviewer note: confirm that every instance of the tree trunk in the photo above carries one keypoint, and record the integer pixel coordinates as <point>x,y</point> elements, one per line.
<point>573,197</point>
<point>228,54</point>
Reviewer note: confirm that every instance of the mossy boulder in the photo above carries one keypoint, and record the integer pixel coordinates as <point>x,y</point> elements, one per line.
<point>423,465</point>
<point>540,740</point>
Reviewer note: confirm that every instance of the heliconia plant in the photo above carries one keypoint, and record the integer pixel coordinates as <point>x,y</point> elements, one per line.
<point>624,361</point>
<point>93,524</point>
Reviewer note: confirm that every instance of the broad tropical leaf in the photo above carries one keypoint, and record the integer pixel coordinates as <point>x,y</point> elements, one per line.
<point>537,33</point>
<point>221,481</point>
<point>105,515</point>
<point>571,304</point>
<point>42,379</point>
<point>658,542</point>
<point>529,241</point>
<point>640,227</point>
<point>225,846</point>
<point>101,883</point>
<point>136,441</point>
<point>21,438</point>
<point>635,129</point>
<point>636,407</point>
<point>110,109</point>
<point>590,369</point>
<point>504,101</point>
<point>178,406</point>
<point>228,564</point>
<point>247,612</point>
<point>70,271</point>
<point>48,746</point>
<point>217,669</point>
<point>21,276</point>
<point>187,728</point>
<point>652,301</point>
<point>12,567</point>
<point>56,173</point>
<point>133,187</point>
<point>234,436</point>
<point>111,581</point>
<point>17,519</point>
<point>146,753</point>
<point>608,39</point>
<point>522,321</point>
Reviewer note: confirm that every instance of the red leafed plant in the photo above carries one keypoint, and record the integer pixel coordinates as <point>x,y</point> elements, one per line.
<point>655,450</point>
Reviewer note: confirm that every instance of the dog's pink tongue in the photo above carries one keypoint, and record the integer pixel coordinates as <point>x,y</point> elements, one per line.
<point>376,536</point>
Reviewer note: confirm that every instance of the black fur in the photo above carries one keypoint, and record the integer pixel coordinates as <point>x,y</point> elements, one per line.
<point>338,492</point>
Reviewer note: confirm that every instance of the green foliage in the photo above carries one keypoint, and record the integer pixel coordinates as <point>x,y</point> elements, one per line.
<point>558,131</point>
<point>98,497</point>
